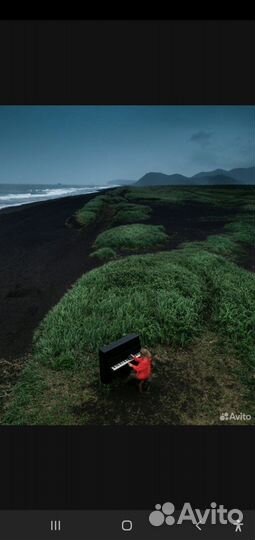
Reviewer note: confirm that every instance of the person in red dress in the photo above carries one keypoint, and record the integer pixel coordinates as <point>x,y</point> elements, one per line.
<point>143,369</point>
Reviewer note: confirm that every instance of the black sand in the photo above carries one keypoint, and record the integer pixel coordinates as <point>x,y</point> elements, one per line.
<point>40,257</point>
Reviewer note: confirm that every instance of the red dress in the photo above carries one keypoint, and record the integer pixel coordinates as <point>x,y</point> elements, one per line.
<point>144,368</point>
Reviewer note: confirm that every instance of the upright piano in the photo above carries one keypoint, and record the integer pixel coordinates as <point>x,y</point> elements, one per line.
<point>114,358</point>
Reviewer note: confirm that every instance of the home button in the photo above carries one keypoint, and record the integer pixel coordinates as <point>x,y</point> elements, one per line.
<point>127,525</point>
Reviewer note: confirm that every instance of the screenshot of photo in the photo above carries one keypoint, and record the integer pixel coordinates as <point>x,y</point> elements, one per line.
<point>127,288</point>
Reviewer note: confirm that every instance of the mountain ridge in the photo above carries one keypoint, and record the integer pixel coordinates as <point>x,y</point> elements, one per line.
<point>241,176</point>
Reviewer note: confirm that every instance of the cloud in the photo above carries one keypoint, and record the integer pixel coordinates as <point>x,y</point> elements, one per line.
<point>202,138</point>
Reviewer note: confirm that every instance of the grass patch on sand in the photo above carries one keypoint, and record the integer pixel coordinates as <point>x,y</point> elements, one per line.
<point>119,209</point>
<point>132,237</point>
<point>91,211</point>
<point>232,245</point>
<point>242,231</point>
<point>132,213</point>
<point>104,254</point>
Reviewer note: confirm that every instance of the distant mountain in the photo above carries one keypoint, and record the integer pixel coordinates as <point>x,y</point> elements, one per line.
<point>243,176</point>
<point>216,172</point>
<point>160,179</point>
<point>120,182</point>
<point>217,180</point>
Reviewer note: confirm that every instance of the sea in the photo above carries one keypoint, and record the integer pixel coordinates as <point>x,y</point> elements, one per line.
<point>17,194</point>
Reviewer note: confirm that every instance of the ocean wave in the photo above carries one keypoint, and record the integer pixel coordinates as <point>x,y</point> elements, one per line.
<point>43,194</point>
<point>11,205</point>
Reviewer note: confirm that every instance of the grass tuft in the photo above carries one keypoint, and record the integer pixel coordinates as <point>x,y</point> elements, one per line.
<point>132,237</point>
<point>104,254</point>
<point>132,213</point>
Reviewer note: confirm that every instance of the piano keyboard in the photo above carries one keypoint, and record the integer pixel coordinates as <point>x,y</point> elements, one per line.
<point>124,362</point>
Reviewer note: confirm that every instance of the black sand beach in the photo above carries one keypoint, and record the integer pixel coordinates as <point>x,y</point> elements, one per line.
<point>40,257</point>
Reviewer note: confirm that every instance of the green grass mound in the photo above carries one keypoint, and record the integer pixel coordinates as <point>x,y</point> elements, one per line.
<point>168,298</point>
<point>165,297</point>
<point>231,244</point>
<point>231,295</point>
<point>132,213</point>
<point>132,237</point>
<point>86,218</point>
<point>221,245</point>
<point>104,254</point>
<point>242,231</point>
<point>154,295</point>
<point>91,211</point>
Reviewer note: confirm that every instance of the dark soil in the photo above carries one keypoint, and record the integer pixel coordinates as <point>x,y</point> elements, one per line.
<point>191,221</point>
<point>40,258</point>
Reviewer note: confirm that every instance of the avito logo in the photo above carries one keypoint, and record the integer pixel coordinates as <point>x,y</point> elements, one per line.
<point>213,515</point>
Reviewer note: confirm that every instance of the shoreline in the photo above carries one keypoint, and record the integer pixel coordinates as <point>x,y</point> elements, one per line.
<point>40,258</point>
<point>22,206</point>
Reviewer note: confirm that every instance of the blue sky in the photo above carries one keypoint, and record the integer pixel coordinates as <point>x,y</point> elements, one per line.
<point>97,144</point>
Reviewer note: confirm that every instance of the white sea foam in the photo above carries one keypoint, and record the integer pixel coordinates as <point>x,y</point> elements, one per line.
<point>44,193</point>
<point>37,194</point>
<point>11,205</point>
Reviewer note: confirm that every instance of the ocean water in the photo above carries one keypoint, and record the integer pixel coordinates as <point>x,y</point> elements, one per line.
<point>17,194</point>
